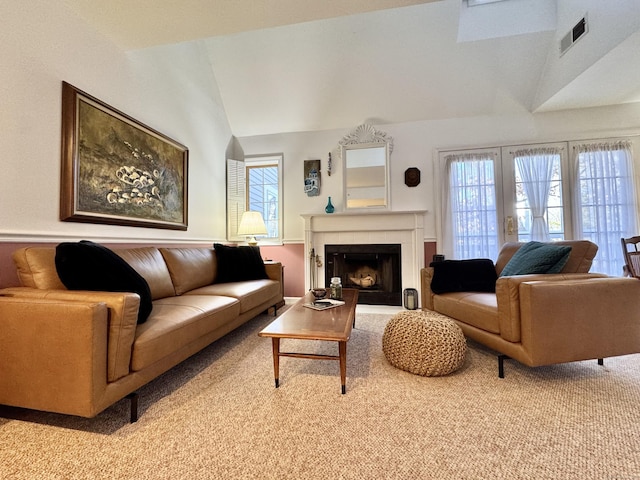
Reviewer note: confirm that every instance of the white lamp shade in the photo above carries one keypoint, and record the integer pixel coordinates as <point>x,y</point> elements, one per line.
<point>252,224</point>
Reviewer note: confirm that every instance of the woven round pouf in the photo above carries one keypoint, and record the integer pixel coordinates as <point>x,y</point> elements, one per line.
<point>424,343</point>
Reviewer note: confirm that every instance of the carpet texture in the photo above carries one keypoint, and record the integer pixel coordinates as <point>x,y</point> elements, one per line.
<point>218,415</point>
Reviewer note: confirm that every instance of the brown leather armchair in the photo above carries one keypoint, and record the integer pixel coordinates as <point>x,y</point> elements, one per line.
<point>544,319</point>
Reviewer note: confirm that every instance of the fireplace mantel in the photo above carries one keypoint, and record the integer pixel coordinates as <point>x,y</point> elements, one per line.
<point>404,228</point>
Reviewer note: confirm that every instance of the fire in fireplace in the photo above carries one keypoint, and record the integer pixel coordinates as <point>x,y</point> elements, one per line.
<point>374,269</point>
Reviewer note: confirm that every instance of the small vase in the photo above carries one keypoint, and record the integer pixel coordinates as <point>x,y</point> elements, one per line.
<point>329,208</point>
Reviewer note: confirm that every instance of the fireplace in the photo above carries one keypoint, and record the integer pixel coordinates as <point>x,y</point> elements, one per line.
<point>373,269</point>
<point>362,229</point>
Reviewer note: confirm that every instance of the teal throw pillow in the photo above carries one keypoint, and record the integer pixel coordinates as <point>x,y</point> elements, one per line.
<point>537,257</point>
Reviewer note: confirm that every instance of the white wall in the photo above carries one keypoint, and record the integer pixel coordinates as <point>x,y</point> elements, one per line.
<point>173,90</point>
<point>167,88</point>
<point>609,25</point>
<point>415,145</point>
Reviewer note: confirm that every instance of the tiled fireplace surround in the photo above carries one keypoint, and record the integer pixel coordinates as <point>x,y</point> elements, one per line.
<point>404,228</point>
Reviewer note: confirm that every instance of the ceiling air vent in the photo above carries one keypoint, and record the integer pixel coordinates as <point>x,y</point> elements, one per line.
<point>574,34</point>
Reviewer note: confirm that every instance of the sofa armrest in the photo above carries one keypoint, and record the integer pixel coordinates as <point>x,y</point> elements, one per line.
<point>508,298</point>
<point>580,319</point>
<point>52,354</point>
<point>122,320</point>
<point>426,295</point>
<point>275,271</point>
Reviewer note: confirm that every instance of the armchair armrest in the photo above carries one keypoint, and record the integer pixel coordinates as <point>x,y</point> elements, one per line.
<point>122,309</point>
<point>580,319</point>
<point>508,298</point>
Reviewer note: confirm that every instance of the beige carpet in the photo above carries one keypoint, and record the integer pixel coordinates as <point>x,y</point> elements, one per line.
<point>218,415</point>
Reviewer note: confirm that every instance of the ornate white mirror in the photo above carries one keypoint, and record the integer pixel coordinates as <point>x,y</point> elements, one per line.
<point>365,155</point>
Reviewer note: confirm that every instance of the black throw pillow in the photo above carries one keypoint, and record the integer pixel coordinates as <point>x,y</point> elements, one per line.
<point>476,275</point>
<point>236,264</point>
<point>89,266</point>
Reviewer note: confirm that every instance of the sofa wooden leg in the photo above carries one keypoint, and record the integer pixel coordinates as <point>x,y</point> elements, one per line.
<point>601,361</point>
<point>501,359</point>
<point>133,397</point>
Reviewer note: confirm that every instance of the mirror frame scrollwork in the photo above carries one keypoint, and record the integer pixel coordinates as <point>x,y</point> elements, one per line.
<point>366,136</point>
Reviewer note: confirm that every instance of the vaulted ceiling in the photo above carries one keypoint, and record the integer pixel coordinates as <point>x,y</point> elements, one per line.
<point>304,65</point>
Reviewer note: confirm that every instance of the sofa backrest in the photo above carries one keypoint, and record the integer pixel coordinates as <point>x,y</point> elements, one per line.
<point>580,258</point>
<point>36,268</point>
<point>148,262</point>
<point>190,268</point>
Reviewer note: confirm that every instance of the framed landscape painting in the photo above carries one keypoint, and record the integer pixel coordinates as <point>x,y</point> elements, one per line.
<point>117,171</point>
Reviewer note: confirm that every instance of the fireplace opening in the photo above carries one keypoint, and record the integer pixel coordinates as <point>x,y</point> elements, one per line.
<point>373,269</point>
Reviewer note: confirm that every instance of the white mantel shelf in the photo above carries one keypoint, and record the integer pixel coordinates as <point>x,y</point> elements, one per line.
<point>365,220</point>
<point>368,227</point>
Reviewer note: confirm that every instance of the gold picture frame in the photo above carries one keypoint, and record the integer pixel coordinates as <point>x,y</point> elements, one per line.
<point>118,171</point>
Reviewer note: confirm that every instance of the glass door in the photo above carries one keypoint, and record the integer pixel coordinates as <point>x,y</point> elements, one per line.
<point>536,192</point>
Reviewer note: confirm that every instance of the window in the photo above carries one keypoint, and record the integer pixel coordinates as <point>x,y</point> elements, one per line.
<point>262,195</point>
<point>523,193</point>
<point>255,184</point>
<point>606,200</point>
<point>538,196</point>
<point>535,186</point>
<point>471,204</point>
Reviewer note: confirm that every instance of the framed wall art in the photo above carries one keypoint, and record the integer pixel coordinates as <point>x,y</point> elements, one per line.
<point>117,171</point>
<point>312,178</point>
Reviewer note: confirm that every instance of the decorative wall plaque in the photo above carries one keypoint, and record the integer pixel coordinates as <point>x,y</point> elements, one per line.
<point>412,177</point>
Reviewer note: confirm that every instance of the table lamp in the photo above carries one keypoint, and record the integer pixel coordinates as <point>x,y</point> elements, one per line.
<point>252,224</point>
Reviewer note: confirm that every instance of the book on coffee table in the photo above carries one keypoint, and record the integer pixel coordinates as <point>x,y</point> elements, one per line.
<point>324,304</point>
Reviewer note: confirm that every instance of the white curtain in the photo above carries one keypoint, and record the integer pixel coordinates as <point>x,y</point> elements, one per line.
<point>605,200</point>
<point>536,170</point>
<point>470,205</point>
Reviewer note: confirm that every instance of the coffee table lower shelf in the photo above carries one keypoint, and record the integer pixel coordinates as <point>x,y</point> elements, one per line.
<point>342,358</point>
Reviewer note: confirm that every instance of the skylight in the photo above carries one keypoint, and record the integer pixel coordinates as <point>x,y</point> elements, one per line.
<point>473,3</point>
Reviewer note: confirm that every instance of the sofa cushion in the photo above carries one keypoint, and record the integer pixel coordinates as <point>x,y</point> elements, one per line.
<point>537,257</point>
<point>250,293</point>
<point>476,275</point>
<point>179,322</point>
<point>36,268</point>
<point>236,264</point>
<point>88,266</point>
<point>190,267</point>
<point>479,309</point>
<point>149,263</point>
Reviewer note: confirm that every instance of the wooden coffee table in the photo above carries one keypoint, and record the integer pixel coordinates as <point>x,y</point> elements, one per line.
<point>302,323</point>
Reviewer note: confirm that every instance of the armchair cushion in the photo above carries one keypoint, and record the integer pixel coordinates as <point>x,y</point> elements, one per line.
<point>537,257</point>
<point>476,275</point>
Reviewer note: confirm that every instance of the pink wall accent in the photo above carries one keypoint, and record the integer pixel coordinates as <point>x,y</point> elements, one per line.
<point>430,249</point>
<point>291,256</point>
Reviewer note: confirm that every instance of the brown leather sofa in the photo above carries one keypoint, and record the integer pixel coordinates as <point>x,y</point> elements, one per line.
<point>78,352</point>
<point>544,319</point>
